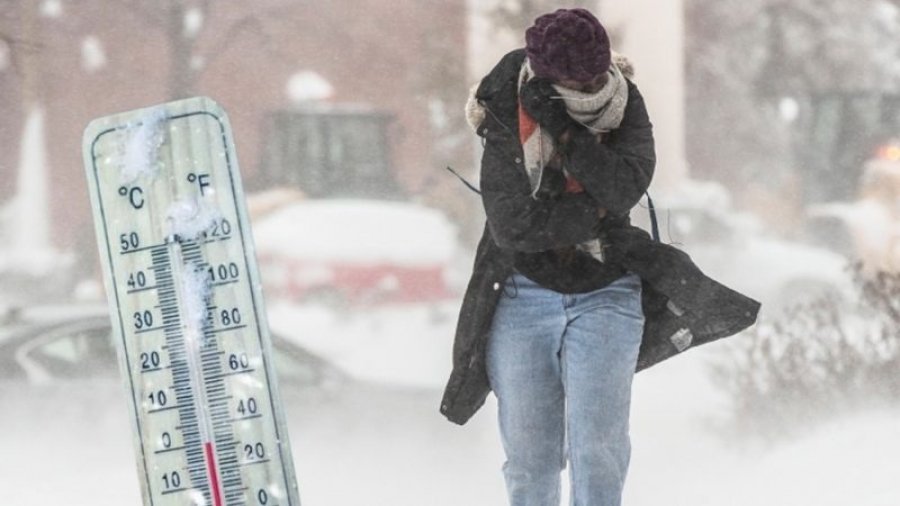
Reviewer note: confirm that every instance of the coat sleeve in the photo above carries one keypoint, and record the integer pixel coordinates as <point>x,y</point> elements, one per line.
<point>617,172</point>
<point>519,222</point>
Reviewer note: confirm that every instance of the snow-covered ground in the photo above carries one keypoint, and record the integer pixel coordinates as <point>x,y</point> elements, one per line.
<point>679,459</point>
<point>402,345</point>
<point>82,453</point>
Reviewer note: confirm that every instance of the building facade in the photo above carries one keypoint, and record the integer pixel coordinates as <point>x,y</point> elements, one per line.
<point>86,59</point>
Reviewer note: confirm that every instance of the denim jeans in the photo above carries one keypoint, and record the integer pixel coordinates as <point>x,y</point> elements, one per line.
<point>561,367</point>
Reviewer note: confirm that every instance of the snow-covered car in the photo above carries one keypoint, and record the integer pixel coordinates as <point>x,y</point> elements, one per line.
<point>72,349</point>
<point>357,251</point>
<point>65,414</point>
<point>736,249</point>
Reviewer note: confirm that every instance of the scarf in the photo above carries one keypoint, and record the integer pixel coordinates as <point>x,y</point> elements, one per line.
<point>599,112</point>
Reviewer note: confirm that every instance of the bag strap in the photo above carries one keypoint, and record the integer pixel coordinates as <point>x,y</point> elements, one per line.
<point>468,184</point>
<point>654,224</point>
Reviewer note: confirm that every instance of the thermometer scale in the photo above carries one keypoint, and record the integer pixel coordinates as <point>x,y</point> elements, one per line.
<point>187,311</point>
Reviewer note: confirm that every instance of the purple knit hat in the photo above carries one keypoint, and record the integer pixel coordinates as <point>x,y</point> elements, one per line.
<point>569,44</point>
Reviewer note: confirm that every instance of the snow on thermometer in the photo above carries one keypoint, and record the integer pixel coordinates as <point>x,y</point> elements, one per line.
<point>186,306</point>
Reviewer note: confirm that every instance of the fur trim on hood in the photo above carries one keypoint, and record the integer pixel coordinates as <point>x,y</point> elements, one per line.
<point>475,112</point>
<point>624,64</point>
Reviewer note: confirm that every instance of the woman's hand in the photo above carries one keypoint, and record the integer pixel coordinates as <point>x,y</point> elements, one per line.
<point>543,103</point>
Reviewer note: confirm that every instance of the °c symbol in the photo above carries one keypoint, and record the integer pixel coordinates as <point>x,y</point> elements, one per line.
<point>135,196</point>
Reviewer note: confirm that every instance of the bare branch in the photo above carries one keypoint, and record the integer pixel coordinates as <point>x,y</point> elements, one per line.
<point>230,36</point>
<point>519,15</point>
<point>254,24</point>
<point>19,44</point>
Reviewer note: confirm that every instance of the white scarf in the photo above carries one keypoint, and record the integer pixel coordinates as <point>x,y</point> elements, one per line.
<point>602,111</point>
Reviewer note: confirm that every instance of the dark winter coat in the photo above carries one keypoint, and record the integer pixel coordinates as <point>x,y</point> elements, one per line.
<point>682,306</point>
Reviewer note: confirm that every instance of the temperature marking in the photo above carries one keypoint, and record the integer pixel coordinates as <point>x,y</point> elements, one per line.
<point>187,310</point>
<point>167,450</point>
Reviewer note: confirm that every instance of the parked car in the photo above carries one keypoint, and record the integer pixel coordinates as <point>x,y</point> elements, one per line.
<point>66,425</point>
<point>83,348</point>
<point>349,251</point>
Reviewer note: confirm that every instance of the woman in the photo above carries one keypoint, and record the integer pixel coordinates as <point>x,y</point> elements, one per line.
<point>567,299</point>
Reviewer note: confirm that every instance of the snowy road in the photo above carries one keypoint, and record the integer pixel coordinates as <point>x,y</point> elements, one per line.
<point>382,445</point>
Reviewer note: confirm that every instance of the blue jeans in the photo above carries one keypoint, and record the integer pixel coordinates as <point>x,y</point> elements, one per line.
<point>561,367</point>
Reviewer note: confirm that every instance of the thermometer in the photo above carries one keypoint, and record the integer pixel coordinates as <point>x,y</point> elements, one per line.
<point>186,307</point>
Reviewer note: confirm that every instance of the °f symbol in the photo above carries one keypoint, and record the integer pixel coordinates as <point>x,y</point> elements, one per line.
<point>202,181</point>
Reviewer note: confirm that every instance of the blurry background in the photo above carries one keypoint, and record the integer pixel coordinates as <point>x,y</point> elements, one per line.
<point>778,134</point>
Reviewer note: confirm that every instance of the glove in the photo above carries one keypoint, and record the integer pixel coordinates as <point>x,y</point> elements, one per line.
<point>619,241</point>
<point>553,184</point>
<point>543,103</point>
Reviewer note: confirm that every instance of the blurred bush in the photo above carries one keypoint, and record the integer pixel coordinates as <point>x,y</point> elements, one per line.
<point>818,360</point>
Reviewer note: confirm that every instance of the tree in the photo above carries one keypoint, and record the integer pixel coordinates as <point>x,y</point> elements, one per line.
<point>19,39</point>
<point>441,86</point>
<point>518,15</point>
<point>745,58</point>
<point>19,29</point>
<point>182,22</point>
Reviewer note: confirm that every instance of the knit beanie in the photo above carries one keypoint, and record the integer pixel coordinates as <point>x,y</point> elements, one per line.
<point>569,44</point>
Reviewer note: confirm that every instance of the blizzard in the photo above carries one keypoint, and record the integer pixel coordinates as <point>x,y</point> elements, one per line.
<point>705,68</point>
<point>679,455</point>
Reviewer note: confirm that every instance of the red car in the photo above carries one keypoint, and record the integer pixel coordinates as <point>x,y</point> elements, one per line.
<point>356,252</point>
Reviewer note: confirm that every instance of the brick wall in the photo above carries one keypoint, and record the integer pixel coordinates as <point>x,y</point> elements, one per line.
<point>375,52</point>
